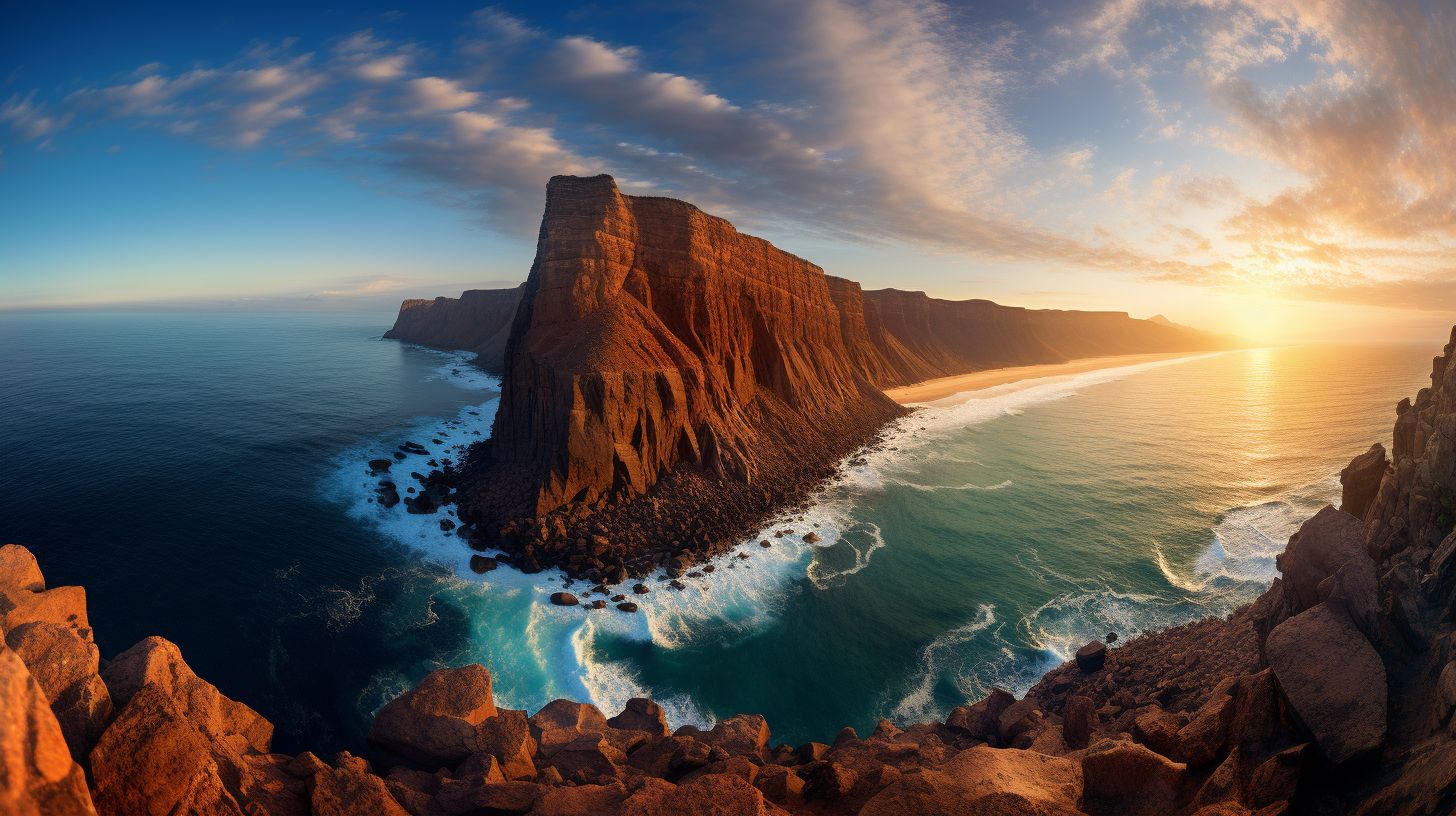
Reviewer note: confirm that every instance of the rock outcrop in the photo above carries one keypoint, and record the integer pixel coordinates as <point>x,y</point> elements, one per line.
<point>479,321</point>
<point>669,382</point>
<point>1312,700</point>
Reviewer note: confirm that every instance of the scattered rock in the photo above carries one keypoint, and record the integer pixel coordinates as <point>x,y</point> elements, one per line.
<point>1091,657</point>
<point>564,599</point>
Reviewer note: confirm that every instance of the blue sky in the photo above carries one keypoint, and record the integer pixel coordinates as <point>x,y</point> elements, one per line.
<point>1277,168</point>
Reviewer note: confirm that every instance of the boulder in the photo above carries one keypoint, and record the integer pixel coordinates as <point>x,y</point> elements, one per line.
<point>1360,481</point>
<point>982,719</point>
<point>985,780</point>
<point>1323,544</point>
<point>63,606</point>
<point>670,758</point>
<point>575,717</point>
<point>1157,729</point>
<point>472,796</point>
<point>38,777</point>
<point>177,744</point>
<point>19,571</point>
<point>1202,740</point>
<point>1091,657</point>
<point>507,737</point>
<point>589,760</point>
<point>579,800</point>
<point>1120,769</point>
<point>350,789</point>
<point>434,723</point>
<point>827,781</point>
<point>1079,720</point>
<point>780,784</point>
<point>1276,779</point>
<point>65,665</point>
<point>1333,679</point>
<point>642,714</point>
<point>712,795</point>
<point>564,599</point>
<point>741,735</point>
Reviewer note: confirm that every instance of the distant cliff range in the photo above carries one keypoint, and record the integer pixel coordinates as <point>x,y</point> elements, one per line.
<point>668,382</point>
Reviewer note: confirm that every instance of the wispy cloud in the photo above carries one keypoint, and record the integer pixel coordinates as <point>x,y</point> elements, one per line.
<point>897,121</point>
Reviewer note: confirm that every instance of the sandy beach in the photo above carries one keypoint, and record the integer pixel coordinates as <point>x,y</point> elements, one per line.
<point>976,380</point>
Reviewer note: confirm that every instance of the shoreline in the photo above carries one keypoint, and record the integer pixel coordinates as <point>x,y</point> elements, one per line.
<point>940,388</point>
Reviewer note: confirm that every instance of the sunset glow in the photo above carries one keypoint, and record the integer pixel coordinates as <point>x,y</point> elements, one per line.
<point>1246,167</point>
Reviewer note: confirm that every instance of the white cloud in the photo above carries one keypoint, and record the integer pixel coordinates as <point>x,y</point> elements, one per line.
<point>438,94</point>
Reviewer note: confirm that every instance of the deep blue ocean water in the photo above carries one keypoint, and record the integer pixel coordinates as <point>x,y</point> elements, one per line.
<point>203,476</point>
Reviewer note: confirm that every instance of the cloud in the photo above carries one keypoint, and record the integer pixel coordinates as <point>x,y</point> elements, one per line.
<point>898,121</point>
<point>437,94</point>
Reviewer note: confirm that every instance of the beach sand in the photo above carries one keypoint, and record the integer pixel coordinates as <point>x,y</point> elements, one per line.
<point>976,380</point>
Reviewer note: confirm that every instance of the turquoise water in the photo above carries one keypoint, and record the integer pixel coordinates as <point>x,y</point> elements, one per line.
<point>203,477</point>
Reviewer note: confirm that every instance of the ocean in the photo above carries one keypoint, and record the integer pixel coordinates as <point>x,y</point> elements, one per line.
<point>204,477</point>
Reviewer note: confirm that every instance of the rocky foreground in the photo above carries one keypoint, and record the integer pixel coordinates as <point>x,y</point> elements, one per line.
<point>668,382</point>
<point>1331,694</point>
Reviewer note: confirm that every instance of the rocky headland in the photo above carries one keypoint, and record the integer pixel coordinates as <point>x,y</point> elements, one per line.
<point>669,382</point>
<point>478,321</point>
<point>1332,693</point>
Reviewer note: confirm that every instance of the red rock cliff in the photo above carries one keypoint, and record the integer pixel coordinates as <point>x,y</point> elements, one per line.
<point>479,321</point>
<point>655,343</point>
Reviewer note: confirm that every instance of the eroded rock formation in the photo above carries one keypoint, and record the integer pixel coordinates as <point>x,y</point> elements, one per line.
<point>479,321</point>
<point>669,381</point>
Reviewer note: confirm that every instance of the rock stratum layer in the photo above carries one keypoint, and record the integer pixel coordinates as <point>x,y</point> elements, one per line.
<point>669,382</point>
<point>1333,693</point>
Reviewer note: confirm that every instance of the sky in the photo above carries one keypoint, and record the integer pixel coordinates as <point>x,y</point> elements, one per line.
<point>1280,169</point>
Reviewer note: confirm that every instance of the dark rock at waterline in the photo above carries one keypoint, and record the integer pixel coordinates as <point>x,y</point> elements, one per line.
<point>421,505</point>
<point>676,584</point>
<point>765,543</point>
<point>378,465</point>
<point>481,564</point>
<point>388,494</point>
<point>627,606</point>
<point>1111,638</point>
<point>447,525</point>
<point>641,589</point>
<point>1360,481</point>
<point>400,455</point>
<point>1091,657</point>
<point>811,538</point>
<point>598,604</point>
<point>618,598</point>
<point>564,599</point>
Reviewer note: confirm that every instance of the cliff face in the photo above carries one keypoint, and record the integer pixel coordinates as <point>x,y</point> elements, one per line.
<point>919,338</point>
<point>668,381</point>
<point>653,340</point>
<point>479,321</point>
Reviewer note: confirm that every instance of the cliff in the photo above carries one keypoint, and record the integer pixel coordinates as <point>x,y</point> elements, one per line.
<point>1332,693</point>
<point>670,381</point>
<point>479,321</point>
